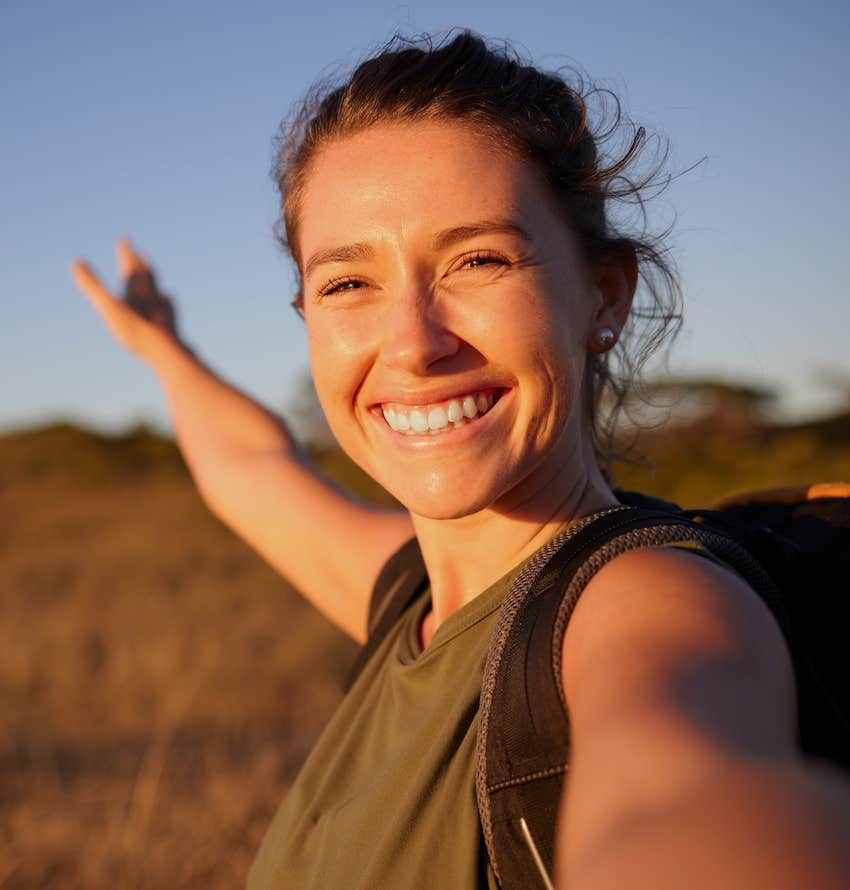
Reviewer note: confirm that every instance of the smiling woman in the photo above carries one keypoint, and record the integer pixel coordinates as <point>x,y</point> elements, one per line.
<point>463,291</point>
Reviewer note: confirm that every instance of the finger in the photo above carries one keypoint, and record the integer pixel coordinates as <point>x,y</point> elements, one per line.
<point>129,262</point>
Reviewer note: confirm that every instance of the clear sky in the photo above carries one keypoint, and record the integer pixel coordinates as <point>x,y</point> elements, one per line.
<point>155,120</point>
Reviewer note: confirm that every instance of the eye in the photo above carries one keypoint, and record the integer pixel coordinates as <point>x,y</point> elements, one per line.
<point>480,259</point>
<point>340,285</point>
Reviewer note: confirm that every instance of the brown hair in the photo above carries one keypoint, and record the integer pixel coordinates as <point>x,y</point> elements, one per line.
<point>543,118</point>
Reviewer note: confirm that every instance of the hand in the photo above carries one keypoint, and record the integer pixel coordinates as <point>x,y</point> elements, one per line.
<point>144,316</point>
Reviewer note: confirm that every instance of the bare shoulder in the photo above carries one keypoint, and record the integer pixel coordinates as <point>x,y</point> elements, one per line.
<point>681,653</point>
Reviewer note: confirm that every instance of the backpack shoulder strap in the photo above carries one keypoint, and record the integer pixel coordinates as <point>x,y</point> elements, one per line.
<point>400,582</point>
<point>523,739</point>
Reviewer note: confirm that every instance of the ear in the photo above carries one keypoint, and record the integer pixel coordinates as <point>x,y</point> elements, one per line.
<point>615,279</point>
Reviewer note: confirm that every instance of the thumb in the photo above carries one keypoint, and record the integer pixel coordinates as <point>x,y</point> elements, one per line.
<point>87,281</point>
<point>118,318</point>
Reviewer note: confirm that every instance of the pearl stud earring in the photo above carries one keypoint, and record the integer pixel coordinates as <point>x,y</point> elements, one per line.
<point>603,339</point>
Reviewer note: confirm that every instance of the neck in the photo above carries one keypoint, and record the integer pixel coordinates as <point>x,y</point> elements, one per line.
<point>465,556</point>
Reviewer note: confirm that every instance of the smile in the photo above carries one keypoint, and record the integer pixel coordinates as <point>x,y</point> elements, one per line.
<point>439,417</point>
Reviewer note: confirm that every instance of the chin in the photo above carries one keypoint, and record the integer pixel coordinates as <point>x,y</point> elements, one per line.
<point>436,497</point>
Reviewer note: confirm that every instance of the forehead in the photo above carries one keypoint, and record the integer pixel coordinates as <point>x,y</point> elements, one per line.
<point>407,179</point>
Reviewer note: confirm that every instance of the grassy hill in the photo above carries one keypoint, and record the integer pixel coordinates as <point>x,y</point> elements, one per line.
<point>160,686</point>
<point>715,456</point>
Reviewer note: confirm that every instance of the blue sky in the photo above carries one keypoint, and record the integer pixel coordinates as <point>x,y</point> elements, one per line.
<point>156,121</point>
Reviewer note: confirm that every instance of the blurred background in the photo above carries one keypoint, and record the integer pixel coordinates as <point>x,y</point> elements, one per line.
<point>160,685</point>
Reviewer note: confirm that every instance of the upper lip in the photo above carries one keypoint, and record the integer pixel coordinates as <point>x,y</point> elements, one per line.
<point>432,394</point>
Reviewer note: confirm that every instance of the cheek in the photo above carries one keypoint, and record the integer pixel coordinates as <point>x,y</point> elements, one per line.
<point>555,341</point>
<point>326,366</point>
<point>554,335</point>
<point>337,366</point>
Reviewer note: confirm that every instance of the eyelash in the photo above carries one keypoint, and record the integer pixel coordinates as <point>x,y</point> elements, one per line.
<point>481,255</point>
<point>335,285</point>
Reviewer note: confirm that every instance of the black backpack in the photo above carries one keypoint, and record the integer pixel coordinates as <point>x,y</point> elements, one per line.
<point>791,545</point>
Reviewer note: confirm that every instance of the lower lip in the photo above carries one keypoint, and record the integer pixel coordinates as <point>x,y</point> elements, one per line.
<point>452,437</point>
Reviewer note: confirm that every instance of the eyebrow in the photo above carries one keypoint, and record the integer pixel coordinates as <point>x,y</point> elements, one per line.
<point>344,254</point>
<point>442,240</point>
<point>449,237</point>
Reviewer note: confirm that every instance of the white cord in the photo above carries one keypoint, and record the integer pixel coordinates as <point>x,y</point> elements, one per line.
<point>547,881</point>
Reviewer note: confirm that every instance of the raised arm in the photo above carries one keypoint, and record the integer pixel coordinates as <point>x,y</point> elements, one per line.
<point>684,767</point>
<point>247,466</point>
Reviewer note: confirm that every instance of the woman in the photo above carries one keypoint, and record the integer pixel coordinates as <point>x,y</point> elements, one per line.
<point>461,288</point>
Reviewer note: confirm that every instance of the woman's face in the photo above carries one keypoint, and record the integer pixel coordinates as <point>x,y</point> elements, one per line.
<point>448,313</point>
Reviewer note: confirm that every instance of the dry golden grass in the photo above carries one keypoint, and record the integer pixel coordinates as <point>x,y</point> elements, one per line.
<point>160,685</point>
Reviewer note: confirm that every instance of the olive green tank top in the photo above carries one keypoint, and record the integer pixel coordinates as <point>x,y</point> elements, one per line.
<point>387,797</point>
<point>386,800</point>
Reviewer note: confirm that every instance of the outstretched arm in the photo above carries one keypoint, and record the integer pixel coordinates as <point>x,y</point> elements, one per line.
<point>684,767</point>
<point>247,466</point>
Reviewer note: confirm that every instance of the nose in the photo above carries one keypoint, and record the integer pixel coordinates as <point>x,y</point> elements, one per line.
<point>417,333</point>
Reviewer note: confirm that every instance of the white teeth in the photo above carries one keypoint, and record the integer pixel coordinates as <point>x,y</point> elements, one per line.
<point>418,422</point>
<point>453,414</point>
<point>437,419</point>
